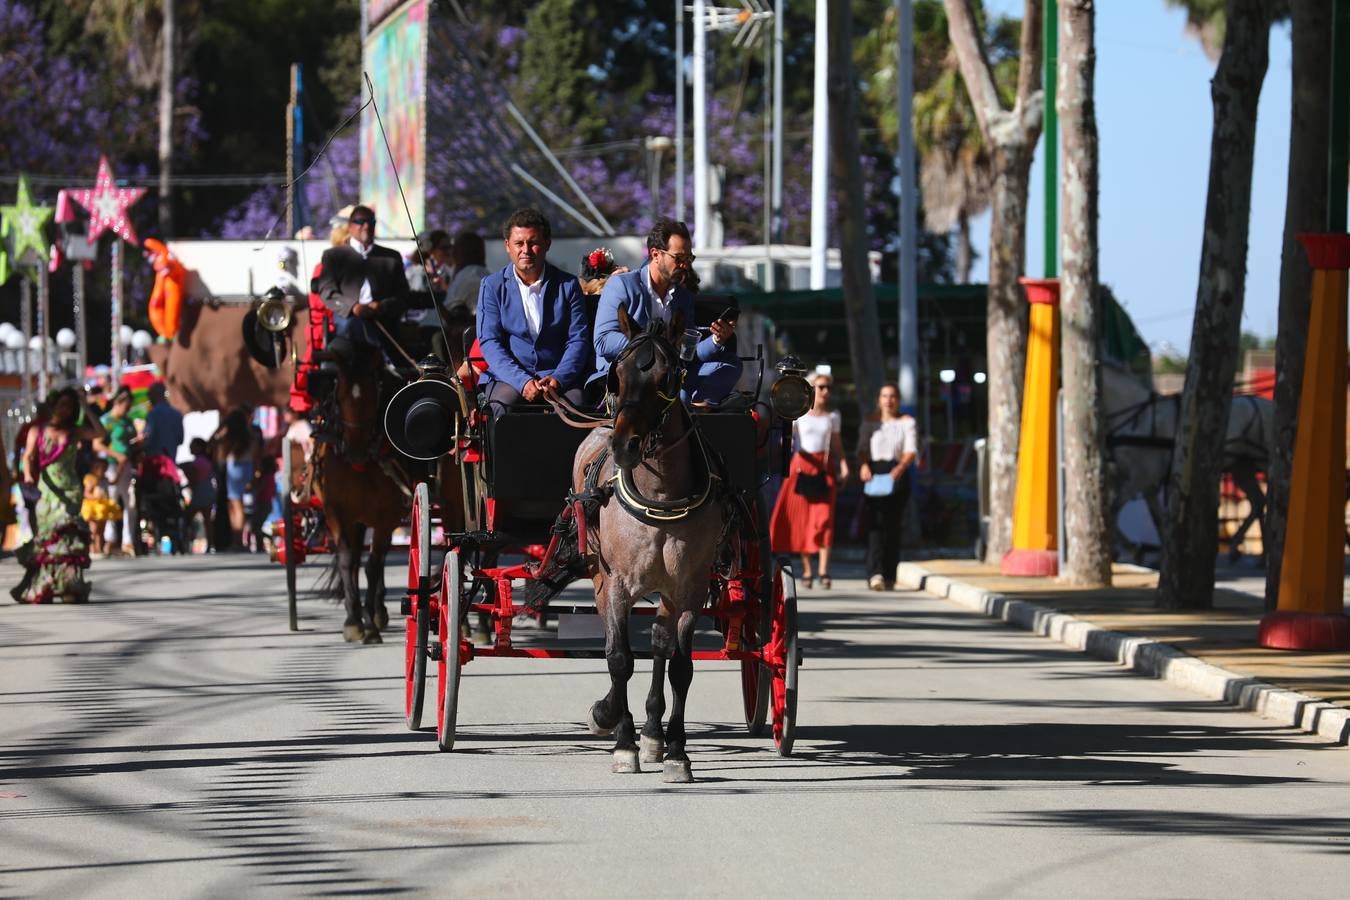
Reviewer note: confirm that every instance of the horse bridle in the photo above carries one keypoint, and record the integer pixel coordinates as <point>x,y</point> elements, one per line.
<point>646,347</point>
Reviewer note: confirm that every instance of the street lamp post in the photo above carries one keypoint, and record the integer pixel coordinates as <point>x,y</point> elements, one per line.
<point>656,144</point>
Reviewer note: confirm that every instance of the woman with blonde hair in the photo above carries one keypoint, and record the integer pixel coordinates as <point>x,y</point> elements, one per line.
<point>803,516</point>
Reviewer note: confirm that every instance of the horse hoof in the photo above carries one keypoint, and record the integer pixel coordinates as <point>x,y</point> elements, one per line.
<point>594,725</point>
<point>653,748</point>
<point>353,633</point>
<point>677,771</point>
<point>372,637</point>
<point>381,617</point>
<point>481,638</point>
<point>626,762</point>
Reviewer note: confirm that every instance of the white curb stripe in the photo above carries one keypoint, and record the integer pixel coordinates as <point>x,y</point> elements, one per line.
<point>1142,655</point>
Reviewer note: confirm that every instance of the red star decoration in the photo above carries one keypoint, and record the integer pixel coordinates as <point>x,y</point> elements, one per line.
<point>108,204</point>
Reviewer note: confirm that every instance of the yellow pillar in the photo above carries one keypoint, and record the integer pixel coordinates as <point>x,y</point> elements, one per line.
<point>1036,508</point>
<point>1311,613</point>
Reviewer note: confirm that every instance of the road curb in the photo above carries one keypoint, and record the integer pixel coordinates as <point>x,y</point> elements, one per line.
<point>1142,655</point>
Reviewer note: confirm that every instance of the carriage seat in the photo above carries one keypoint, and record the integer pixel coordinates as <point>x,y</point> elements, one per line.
<point>734,434</point>
<point>528,468</point>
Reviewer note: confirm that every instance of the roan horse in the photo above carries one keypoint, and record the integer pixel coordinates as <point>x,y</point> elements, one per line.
<point>657,535</point>
<point>1141,427</point>
<point>356,480</point>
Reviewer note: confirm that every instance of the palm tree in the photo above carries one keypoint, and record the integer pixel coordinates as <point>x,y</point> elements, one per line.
<point>1190,538</point>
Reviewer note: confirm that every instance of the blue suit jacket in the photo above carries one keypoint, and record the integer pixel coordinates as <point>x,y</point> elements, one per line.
<point>562,348</point>
<point>631,291</point>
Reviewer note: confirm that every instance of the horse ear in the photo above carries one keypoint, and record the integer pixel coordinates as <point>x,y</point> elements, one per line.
<point>626,323</point>
<point>676,329</point>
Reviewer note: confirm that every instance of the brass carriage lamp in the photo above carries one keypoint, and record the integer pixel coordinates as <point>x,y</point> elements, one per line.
<point>274,312</point>
<point>791,395</point>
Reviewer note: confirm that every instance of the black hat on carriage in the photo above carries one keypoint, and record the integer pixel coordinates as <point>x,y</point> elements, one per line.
<point>420,418</point>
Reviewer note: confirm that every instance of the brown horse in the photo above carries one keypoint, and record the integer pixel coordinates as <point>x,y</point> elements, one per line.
<point>356,480</point>
<point>657,534</point>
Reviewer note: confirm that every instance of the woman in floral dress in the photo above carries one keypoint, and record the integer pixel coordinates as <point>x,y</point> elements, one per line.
<point>55,560</point>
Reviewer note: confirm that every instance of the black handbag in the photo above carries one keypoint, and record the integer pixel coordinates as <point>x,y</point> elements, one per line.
<point>812,487</point>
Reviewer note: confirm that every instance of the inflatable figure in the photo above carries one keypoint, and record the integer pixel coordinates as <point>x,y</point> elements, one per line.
<point>166,299</point>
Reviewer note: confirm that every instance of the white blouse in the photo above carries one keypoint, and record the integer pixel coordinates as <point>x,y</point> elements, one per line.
<point>892,439</point>
<point>811,433</point>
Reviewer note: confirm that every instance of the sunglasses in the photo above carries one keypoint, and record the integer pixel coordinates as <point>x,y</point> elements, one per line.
<point>360,222</point>
<point>682,259</point>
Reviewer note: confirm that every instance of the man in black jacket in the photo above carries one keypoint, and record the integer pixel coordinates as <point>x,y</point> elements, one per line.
<point>362,283</point>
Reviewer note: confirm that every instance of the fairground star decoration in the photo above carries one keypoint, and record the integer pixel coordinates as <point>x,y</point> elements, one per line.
<point>27,224</point>
<point>107,204</point>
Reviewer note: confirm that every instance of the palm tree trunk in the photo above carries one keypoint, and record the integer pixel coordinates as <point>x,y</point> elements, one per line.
<point>1190,538</point>
<point>965,253</point>
<point>864,329</point>
<point>1089,552</point>
<point>1011,135</point>
<point>1305,210</point>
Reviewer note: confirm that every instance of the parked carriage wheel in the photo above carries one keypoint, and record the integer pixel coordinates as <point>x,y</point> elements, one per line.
<point>288,548</point>
<point>417,625</point>
<point>755,679</point>
<point>448,668</point>
<point>785,675</point>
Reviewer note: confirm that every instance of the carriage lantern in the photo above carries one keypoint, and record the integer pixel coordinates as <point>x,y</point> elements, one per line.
<point>274,312</point>
<point>791,395</point>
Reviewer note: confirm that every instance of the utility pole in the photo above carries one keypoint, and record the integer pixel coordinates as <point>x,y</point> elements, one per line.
<point>779,14</point>
<point>820,149</point>
<point>166,78</point>
<point>909,211</point>
<point>702,209</point>
<point>679,110</point>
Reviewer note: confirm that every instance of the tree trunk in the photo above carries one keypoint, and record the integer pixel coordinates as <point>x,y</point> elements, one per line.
<point>860,310</point>
<point>965,253</point>
<point>1089,552</point>
<point>166,123</point>
<point>1191,538</point>
<point>1305,210</point>
<point>1011,135</point>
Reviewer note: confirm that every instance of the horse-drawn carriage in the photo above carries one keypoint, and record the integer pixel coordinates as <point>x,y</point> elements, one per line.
<point>656,499</point>
<point>652,499</point>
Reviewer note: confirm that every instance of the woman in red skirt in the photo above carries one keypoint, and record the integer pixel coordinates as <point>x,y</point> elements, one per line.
<point>803,517</point>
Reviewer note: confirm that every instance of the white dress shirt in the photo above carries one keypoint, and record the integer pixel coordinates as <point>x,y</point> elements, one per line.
<point>532,299</point>
<point>660,302</point>
<point>361,248</point>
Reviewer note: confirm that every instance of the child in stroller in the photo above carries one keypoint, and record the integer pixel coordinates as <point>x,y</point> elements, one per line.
<point>159,499</point>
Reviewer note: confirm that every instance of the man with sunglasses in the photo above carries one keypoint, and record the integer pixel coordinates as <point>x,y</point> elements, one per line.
<point>660,289</point>
<point>362,283</point>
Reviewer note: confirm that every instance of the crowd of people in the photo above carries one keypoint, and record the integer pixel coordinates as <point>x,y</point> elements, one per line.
<point>98,476</point>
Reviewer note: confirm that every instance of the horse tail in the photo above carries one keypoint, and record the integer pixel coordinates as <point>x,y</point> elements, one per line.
<point>327,583</point>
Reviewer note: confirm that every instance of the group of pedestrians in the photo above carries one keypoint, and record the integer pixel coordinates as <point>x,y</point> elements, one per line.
<point>90,475</point>
<point>803,521</point>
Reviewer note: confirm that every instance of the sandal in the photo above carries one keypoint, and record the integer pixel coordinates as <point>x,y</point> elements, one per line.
<point>825,582</point>
<point>806,581</point>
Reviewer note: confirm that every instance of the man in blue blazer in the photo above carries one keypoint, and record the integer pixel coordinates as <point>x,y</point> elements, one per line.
<point>657,289</point>
<point>532,321</point>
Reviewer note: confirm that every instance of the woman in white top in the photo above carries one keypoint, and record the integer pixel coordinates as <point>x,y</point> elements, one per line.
<point>887,447</point>
<point>803,516</point>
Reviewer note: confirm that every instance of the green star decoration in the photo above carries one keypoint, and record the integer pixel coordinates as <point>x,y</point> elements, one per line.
<point>27,223</point>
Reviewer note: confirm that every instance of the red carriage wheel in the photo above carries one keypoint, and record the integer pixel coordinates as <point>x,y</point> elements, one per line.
<point>417,624</point>
<point>290,555</point>
<point>448,669</point>
<point>756,630</point>
<point>783,652</point>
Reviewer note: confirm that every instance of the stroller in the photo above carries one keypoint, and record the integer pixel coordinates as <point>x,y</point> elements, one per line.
<point>159,502</point>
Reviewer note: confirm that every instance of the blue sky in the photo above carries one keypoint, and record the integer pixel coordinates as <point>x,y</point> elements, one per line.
<point>1154,118</point>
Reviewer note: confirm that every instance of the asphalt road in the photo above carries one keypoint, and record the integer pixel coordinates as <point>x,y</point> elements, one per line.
<point>174,739</point>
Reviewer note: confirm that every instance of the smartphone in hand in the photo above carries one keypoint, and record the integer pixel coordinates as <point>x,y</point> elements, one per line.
<point>730,315</point>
